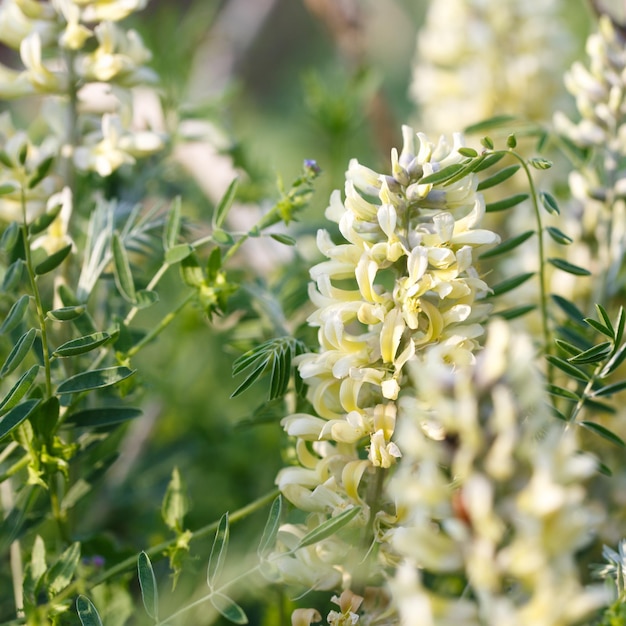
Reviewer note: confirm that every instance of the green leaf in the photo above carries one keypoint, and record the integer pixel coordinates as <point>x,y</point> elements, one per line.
<point>487,142</point>
<point>507,203</point>
<point>228,608</point>
<point>507,245</point>
<point>18,353</point>
<point>43,169</point>
<point>606,319</point>
<point>53,261</point>
<point>7,188</point>
<point>19,390</point>
<point>66,313</point>
<point>510,283</point>
<point>539,163</point>
<point>489,161</point>
<point>604,432</point>
<point>268,539</point>
<point>601,328</point>
<point>567,367</point>
<point>176,254</point>
<point>595,354</point>
<point>15,315</point>
<point>16,416</point>
<point>191,272</point>
<point>221,237</point>
<point>172,226</point>
<point>102,417</point>
<point>621,321</point>
<point>147,582</point>
<point>60,575</point>
<point>468,152</point>
<point>221,211</point>
<point>515,312</point>
<point>284,239</point>
<point>218,551</point>
<point>493,122</point>
<point>10,237</point>
<point>94,379</point>
<point>498,177</point>
<point>511,141</point>
<point>250,379</point>
<point>146,298</point>
<point>87,612</point>
<point>568,267</point>
<point>609,390</point>
<point>329,527</point>
<point>82,344</point>
<point>614,362</point>
<point>559,236</point>
<point>13,275</point>
<point>598,407</point>
<point>555,390</point>
<point>175,503</point>
<point>549,203</point>
<point>567,347</point>
<point>569,308</point>
<point>442,175</point>
<point>44,220</point>
<point>122,272</point>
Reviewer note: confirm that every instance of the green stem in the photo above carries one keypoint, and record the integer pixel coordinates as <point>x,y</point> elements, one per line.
<point>162,325</point>
<point>151,285</point>
<point>130,563</point>
<point>543,289</point>
<point>41,314</point>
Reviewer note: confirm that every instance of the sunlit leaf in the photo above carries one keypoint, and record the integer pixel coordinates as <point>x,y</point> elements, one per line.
<point>468,152</point>
<point>609,390</point>
<point>218,551</point>
<point>442,175</point>
<point>549,203</point>
<point>489,160</point>
<point>177,253</point>
<point>66,313</point>
<point>614,362</point>
<point>284,239</point>
<point>601,328</point>
<point>539,163</point>
<point>329,527</point>
<point>41,222</point>
<point>175,502</point>
<point>60,575</point>
<point>95,379</point>
<point>221,211</point>
<point>147,582</point>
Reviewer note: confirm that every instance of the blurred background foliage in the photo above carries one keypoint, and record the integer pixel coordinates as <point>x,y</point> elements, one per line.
<point>256,87</point>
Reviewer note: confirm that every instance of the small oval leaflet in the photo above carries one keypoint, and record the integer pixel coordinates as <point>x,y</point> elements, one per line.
<point>15,315</point>
<point>53,261</point>
<point>329,527</point>
<point>16,416</point>
<point>87,612</point>
<point>82,344</point>
<point>147,582</point>
<point>66,313</point>
<point>570,268</point>
<point>95,379</point>
<point>19,352</point>
<point>228,608</point>
<point>19,390</point>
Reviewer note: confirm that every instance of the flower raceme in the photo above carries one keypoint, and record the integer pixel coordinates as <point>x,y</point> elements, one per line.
<point>402,283</point>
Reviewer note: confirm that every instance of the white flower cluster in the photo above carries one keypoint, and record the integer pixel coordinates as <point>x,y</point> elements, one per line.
<point>493,44</point>
<point>490,488</point>
<point>402,283</point>
<point>600,184</point>
<point>67,48</point>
